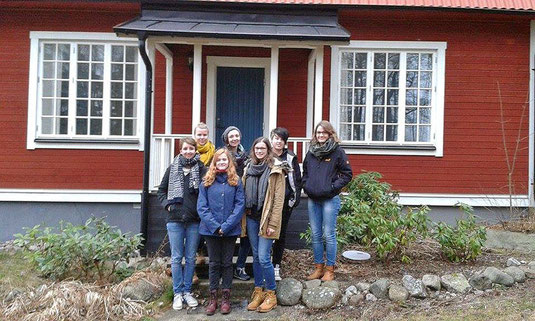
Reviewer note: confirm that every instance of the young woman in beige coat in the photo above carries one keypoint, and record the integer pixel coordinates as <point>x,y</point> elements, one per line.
<point>264,184</point>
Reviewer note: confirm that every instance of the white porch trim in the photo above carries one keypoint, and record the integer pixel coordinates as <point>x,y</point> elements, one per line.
<point>318,86</point>
<point>211,85</point>
<point>162,48</point>
<point>197,85</point>
<point>480,200</point>
<point>70,195</point>
<point>273,91</point>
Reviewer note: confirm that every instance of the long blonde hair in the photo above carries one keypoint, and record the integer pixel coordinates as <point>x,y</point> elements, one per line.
<point>232,175</point>
<point>326,127</point>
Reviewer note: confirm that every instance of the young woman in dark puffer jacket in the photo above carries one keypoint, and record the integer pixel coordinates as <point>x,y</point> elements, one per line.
<point>326,171</point>
<point>178,194</point>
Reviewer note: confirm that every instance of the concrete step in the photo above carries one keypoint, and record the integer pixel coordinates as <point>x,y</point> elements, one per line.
<point>241,290</point>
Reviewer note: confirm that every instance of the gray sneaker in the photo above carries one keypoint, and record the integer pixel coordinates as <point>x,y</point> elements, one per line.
<point>190,300</point>
<point>177,301</point>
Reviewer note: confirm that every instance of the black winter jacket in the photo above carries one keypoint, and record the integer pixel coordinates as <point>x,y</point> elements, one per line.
<point>324,178</point>
<point>187,211</point>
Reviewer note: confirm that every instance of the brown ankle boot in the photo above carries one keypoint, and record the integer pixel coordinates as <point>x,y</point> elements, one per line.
<point>270,302</point>
<point>329,273</point>
<point>212,305</point>
<point>317,274</point>
<point>225,302</point>
<point>256,299</point>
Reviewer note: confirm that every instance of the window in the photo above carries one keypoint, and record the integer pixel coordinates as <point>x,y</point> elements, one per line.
<point>84,91</point>
<point>387,97</point>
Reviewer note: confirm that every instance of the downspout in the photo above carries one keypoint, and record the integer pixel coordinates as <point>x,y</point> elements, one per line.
<point>146,143</point>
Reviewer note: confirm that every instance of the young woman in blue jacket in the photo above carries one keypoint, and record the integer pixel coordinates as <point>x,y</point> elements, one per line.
<point>220,206</point>
<point>326,171</point>
<point>178,193</point>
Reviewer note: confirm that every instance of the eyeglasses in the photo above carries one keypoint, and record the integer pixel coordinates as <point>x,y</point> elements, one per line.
<point>322,133</point>
<point>260,148</point>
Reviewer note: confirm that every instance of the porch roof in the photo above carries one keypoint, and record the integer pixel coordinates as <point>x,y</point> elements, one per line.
<point>313,25</point>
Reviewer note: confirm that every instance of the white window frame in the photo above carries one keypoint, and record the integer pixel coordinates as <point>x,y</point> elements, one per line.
<point>433,148</point>
<point>134,142</point>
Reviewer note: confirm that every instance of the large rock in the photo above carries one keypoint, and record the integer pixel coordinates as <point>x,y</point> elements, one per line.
<point>398,293</point>
<point>321,297</point>
<point>289,291</point>
<point>357,299</point>
<point>415,287</point>
<point>480,281</point>
<point>498,277</point>
<point>379,288</point>
<point>351,290</point>
<point>431,281</point>
<point>312,284</point>
<point>363,286</point>
<point>331,284</point>
<point>530,273</point>
<point>517,274</point>
<point>142,290</point>
<point>455,282</point>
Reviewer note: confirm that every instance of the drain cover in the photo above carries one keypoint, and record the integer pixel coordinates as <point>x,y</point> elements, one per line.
<point>356,255</point>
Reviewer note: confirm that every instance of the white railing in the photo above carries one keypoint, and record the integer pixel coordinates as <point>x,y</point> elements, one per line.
<point>163,149</point>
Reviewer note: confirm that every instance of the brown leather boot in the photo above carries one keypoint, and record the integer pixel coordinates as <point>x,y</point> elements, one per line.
<point>270,302</point>
<point>212,305</point>
<point>318,272</point>
<point>329,273</point>
<point>256,299</point>
<point>225,303</point>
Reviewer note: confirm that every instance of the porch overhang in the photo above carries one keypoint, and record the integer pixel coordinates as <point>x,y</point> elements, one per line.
<point>258,24</point>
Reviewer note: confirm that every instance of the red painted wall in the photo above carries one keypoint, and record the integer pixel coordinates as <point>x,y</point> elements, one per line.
<point>483,50</point>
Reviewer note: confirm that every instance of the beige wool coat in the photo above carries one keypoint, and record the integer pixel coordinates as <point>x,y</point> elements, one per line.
<point>273,204</point>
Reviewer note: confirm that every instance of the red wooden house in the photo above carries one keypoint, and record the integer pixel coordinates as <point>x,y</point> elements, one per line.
<point>418,90</point>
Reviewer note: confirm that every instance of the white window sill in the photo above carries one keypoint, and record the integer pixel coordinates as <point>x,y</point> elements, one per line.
<point>389,149</point>
<point>65,143</point>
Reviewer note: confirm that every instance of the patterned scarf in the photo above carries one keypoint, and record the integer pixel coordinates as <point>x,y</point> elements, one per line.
<point>323,150</point>
<point>176,186</point>
<point>206,151</point>
<point>256,181</point>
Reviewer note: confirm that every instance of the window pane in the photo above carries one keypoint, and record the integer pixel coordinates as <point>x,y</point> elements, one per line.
<point>359,114</point>
<point>117,53</point>
<point>96,127</point>
<point>82,89</point>
<point>345,114</point>
<point>61,124</point>
<point>425,115</point>
<point>412,61</point>
<point>424,134</point>
<point>64,51</point>
<point>360,79</point>
<point>360,96</point>
<point>393,61</point>
<point>425,79</point>
<point>49,51</point>
<point>346,96</point>
<point>128,127</point>
<point>426,61</point>
<point>97,89</point>
<point>81,126</point>
<point>116,126</point>
<point>345,131</point>
<point>97,53</point>
<point>62,106</point>
<point>392,115</point>
<point>131,73</point>
<point>49,70</point>
<point>129,110</point>
<point>63,70</point>
<point>393,79</point>
<point>412,79</point>
<point>378,97</point>
<point>379,61</point>
<point>361,59</point>
<point>81,108</point>
<point>116,90</point>
<point>410,115</point>
<point>116,108</point>
<point>96,108</point>
<point>83,71</point>
<point>411,98</point>
<point>378,114</point>
<point>83,52</point>
<point>379,79</point>
<point>410,133</point>
<point>392,96</point>
<point>358,132</point>
<point>391,133</point>
<point>116,71</point>
<point>46,125</point>
<point>377,132</point>
<point>131,54</point>
<point>48,88</point>
<point>97,71</point>
<point>347,78</point>
<point>62,88</point>
<point>425,97</point>
<point>347,60</point>
<point>48,107</point>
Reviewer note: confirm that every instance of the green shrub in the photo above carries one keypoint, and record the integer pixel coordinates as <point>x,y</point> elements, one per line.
<point>371,215</point>
<point>463,242</point>
<point>89,251</point>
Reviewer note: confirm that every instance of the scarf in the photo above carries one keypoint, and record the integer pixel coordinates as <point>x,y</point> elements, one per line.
<point>206,151</point>
<point>321,151</point>
<point>256,181</point>
<point>175,189</point>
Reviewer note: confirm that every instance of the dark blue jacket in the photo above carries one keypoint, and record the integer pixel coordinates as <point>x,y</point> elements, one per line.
<point>324,178</point>
<point>221,206</point>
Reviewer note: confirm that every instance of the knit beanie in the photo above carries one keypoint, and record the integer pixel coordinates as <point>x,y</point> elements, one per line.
<point>224,137</point>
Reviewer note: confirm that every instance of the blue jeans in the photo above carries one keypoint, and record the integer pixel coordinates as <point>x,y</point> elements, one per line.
<point>262,267</point>
<point>322,216</point>
<point>183,237</point>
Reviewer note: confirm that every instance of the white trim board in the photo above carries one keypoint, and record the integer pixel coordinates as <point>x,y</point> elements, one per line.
<point>70,196</point>
<point>479,200</point>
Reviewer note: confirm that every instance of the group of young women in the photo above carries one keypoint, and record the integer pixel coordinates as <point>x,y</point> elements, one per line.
<point>225,194</point>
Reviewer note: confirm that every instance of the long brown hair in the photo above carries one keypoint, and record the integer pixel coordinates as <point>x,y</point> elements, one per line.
<point>232,175</point>
<point>326,127</point>
<point>269,155</point>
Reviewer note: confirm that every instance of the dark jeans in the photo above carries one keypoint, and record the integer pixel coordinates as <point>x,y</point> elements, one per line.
<point>220,253</point>
<point>243,252</point>
<point>280,244</point>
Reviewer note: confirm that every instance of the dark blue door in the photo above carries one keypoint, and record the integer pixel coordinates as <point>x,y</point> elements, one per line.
<point>240,102</point>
